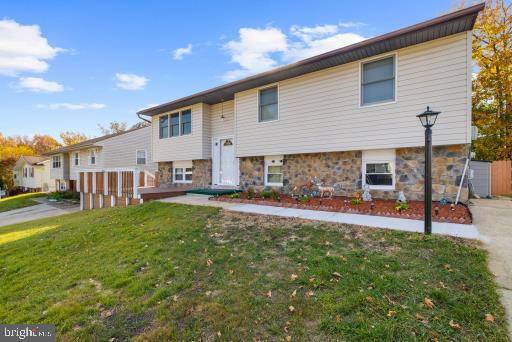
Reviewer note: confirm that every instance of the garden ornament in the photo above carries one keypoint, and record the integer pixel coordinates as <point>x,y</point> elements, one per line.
<point>401,197</point>
<point>367,197</point>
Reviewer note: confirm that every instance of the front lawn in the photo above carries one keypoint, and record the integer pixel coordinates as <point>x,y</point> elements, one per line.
<point>19,201</point>
<point>171,272</point>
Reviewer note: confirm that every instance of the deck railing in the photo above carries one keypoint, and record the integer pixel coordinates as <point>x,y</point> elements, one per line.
<point>113,187</point>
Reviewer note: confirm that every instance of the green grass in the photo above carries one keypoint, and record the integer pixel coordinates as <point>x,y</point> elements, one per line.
<point>171,272</point>
<point>19,201</point>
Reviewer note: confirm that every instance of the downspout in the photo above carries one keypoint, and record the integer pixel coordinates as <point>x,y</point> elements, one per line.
<point>140,117</point>
<point>462,178</point>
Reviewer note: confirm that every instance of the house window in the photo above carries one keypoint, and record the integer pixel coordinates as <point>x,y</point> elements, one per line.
<point>31,172</point>
<point>182,172</point>
<point>274,170</point>
<point>268,110</point>
<point>186,122</point>
<point>175,124</point>
<point>378,81</point>
<point>141,157</point>
<point>76,158</point>
<point>379,169</point>
<point>24,172</point>
<point>56,162</point>
<point>92,157</point>
<point>164,126</point>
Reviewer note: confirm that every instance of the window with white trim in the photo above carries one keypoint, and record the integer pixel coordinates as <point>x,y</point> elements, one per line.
<point>175,124</point>
<point>31,172</point>
<point>378,81</point>
<point>182,171</point>
<point>274,170</point>
<point>92,156</point>
<point>141,157</point>
<point>24,172</point>
<point>379,169</point>
<point>268,106</point>
<point>56,164</point>
<point>76,158</point>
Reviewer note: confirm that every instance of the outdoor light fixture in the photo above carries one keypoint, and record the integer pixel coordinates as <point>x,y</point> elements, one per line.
<point>428,119</point>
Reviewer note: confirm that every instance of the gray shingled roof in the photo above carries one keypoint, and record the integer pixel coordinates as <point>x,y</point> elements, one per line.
<point>449,24</point>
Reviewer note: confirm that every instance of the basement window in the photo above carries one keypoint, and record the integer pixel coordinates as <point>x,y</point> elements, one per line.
<point>274,170</point>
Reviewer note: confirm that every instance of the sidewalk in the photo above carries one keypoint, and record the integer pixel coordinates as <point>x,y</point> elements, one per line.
<point>45,209</point>
<point>393,223</point>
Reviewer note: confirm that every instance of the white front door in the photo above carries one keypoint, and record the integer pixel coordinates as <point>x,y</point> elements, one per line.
<point>227,162</point>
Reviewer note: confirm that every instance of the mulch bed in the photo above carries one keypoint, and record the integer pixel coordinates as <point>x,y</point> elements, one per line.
<point>381,207</point>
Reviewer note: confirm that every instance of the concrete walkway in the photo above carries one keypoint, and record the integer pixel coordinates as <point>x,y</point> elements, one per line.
<point>451,229</point>
<point>45,209</point>
<point>494,219</point>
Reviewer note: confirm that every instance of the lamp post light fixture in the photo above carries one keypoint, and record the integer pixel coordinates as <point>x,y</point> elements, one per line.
<point>428,119</point>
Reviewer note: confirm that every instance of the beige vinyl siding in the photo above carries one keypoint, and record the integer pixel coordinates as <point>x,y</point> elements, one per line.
<point>120,151</point>
<point>186,147</point>
<point>63,171</point>
<point>222,127</point>
<point>321,111</point>
<point>84,162</point>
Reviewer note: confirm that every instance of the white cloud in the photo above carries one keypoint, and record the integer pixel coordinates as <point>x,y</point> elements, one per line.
<point>39,85</point>
<point>351,24</point>
<point>71,106</point>
<point>23,48</point>
<point>179,53</point>
<point>253,50</point>
<point>259,50</point>
<point>131,81</point>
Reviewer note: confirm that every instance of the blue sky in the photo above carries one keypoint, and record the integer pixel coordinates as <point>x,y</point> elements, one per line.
<point>70,65</point>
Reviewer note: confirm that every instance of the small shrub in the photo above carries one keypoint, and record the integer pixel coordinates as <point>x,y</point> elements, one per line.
<point>274,194</point>
<point>250,193</point>
<point>64,195</point>
<point>399,206</point>
<point>355,201</point>
<point>235,195</point>
<point>265,194</point>
<point>304,199</point>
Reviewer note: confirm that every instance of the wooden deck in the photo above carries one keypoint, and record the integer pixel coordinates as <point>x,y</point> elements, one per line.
<point>148,194</point>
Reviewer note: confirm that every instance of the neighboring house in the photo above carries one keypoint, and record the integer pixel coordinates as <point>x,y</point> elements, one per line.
<point>122,151</point>
<point>32,173</point>
<point>347,116</point>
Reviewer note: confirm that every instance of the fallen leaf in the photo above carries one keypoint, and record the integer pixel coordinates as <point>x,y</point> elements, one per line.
<point>327,243</point>
<point>328,253</point>
<point>294,276</point>
<point>369,299</point>
<point>489,318</point>
<point>285,328</point>
<point>175,298</point>
<point>419,316</point>
<point>231,271</point>
<point>291,308</point>
<point>310,293</point>
<point>269,294</point>
<point>106,313</point>
<point>209,262</point>
<point>294,293</point>
<point>288,338</point>
<point>391,313</point>
<point>336,274</point>
<point>454,325</point>
<point>428,303</point>
<point>312,279</point>
<point>338,318</point>
<point>442,285</point>
<point>219,334</point>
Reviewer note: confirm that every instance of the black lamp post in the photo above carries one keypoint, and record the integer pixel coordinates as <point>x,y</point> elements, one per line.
<point>428,119</point>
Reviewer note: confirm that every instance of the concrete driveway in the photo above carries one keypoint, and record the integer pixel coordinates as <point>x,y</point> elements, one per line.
<point>493,218</point>
<point>45,209</point>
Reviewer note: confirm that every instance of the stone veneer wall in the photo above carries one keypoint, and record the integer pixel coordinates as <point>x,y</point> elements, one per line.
<point>201,174</point>
<point>344,168</point>
<point>252,172</point>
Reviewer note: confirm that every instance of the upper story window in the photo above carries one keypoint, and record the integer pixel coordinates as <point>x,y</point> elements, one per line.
<point>141,157</point>
<point>164,127</point>
<point>175,124</point>
<point>24,172</point>
<point>56,164</point>
<point>76,158</point>
<point>92,157</point>
<point>31,172</point>
<point>268,107</point>
<point>378,81</point>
